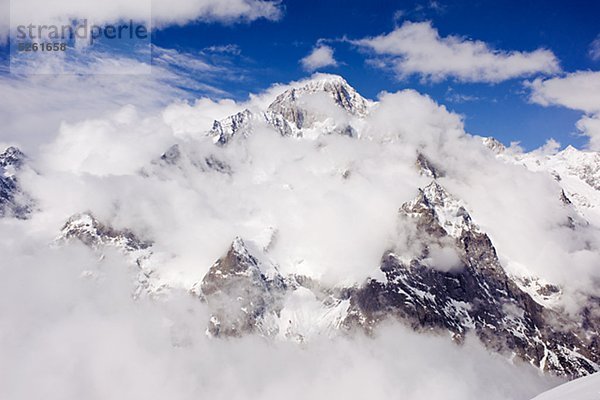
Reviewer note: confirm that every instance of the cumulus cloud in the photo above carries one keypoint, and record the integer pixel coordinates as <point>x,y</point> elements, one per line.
<point>416,48</point>
<point>158,12</point>
<point>578,91</point>
<point>321,56</point>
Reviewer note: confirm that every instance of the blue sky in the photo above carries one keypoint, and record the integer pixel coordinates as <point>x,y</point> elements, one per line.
<point>270,52</point>
<point>246,51</point>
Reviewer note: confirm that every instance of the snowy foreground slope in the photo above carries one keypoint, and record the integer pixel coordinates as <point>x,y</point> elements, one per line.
<point>310,216</point>
<point>586,388</point>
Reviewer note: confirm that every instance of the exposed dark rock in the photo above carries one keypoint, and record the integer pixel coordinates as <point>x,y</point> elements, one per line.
<point>240,289</point>
<point>427,168</point>
<point>13,201</point>
<point>564,199</point>
<point>217,165</point>
<point>93,233</point>
<point>240,123</point>
<point>479,297</point>
<point>172,155</point>
<point>12,157</point>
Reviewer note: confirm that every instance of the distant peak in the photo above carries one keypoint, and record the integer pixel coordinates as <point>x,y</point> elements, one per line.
<point>569,149</point>
<point>494,144</point>
<point>344,95</point>
<point>11,156</point>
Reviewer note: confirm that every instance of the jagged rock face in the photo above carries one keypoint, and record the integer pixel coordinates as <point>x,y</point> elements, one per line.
<point>245,292</point>
<point>478,297</point>
<point>427,168</point>
<point>12,157</point>
<point>13,201</point>
<point>222,131</point>
<point>239,293</point>
<point>86,228</point>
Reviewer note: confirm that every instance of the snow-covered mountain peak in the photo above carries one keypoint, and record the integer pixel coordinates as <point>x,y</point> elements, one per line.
<point>95,234</point>
<point>446,210</point>
<point>11,157</point>
<point>344,95</point>
<point>333,106</point>
<point>494,144</point>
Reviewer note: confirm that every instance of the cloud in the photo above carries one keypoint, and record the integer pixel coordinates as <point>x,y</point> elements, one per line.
<point>321,56</point>
<point>594,51</point>
<point>590,127</point>
<point>34,106</point>
<point>578,91</point>
<point>226,48</point>
<point>69,321</point>
<point>416,48</point>
<point>159,12</point>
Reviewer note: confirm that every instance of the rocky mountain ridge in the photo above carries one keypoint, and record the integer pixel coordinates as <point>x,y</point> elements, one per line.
<point>13,201</point>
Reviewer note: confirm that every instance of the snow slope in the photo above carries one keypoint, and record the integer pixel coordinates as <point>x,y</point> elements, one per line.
<point>586,388</point>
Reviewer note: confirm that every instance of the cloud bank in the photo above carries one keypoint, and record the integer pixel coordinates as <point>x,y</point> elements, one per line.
<point>416,48</point>
<point>332,201</point>
<point>70,324</point>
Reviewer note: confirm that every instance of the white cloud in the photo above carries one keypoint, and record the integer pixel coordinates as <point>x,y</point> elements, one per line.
<point>594,51</point>
<point>69,321</point>
<point>590,127</point>
<point>161,12</point>
<point>225,48</point>
<point>321,56</point>
<point>577,91</point>
<point>417,48</point>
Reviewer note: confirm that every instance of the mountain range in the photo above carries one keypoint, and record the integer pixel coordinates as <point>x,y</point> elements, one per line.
<point>444,275</point>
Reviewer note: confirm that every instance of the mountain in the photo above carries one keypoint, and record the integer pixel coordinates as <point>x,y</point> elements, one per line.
<point>291,114</point>
<point>576,171</point>
<point>13,201</point>
<point>454,281</point>
<point>87,229</point>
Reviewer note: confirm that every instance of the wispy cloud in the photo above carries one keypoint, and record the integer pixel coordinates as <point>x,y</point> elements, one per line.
<point>233,49</point>
<point>594,51</point>
<point>33,106</point>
